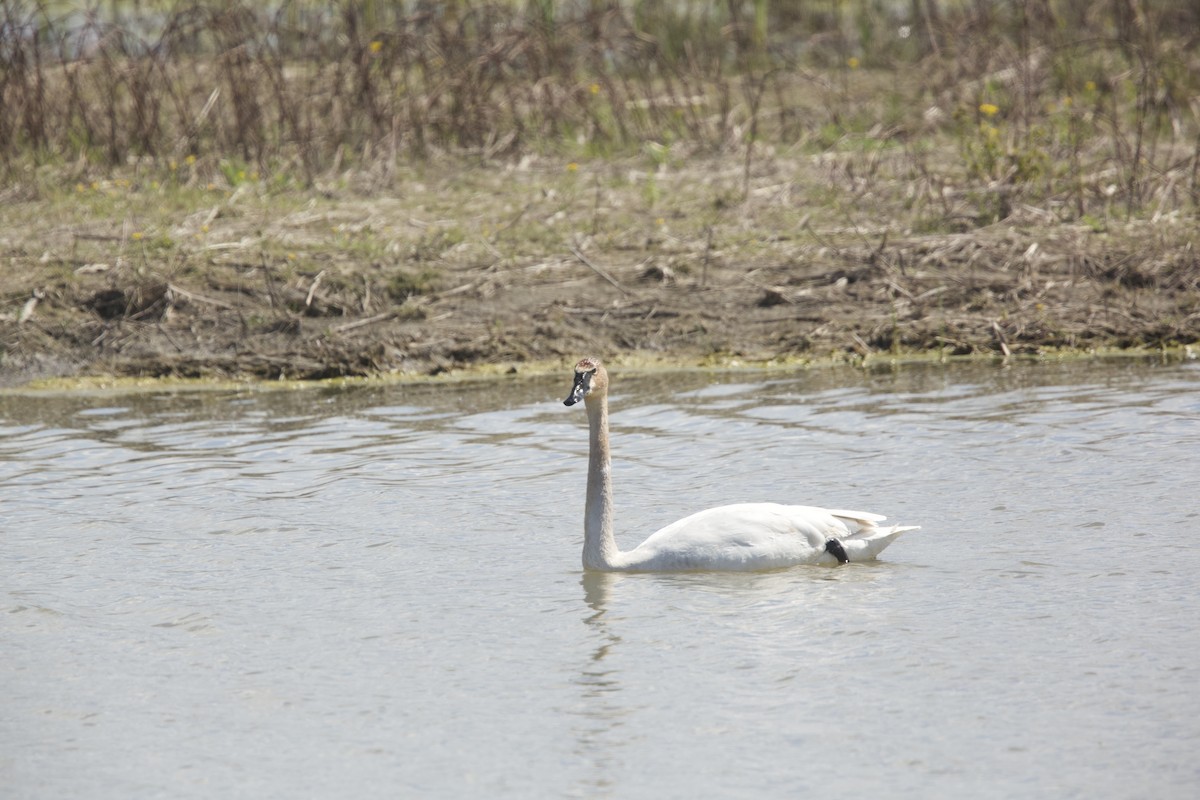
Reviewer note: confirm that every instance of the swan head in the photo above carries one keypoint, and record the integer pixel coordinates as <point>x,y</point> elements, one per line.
<point>590,377</point>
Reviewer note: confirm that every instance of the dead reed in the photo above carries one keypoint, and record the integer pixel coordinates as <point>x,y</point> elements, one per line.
<point>1080,106</point>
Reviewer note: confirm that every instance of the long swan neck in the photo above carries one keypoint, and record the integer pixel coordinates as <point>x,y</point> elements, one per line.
<point>599,544</point>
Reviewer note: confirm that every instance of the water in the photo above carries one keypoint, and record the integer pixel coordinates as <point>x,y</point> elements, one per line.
<point>376,592</point>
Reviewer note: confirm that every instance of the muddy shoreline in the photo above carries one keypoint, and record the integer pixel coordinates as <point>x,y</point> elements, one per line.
<point>245,286</point>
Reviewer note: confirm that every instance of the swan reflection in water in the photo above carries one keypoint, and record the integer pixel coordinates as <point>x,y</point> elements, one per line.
<point>600,710</point>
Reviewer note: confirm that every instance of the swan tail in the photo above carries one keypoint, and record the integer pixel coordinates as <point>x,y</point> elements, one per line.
<point>872,540</point>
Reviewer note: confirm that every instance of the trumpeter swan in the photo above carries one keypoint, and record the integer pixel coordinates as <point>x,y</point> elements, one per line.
<point>744,536</point>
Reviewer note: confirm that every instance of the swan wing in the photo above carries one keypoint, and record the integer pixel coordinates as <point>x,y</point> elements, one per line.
<point>860,518</point>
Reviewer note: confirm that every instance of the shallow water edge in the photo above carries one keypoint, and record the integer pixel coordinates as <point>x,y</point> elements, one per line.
<point>626,363</point>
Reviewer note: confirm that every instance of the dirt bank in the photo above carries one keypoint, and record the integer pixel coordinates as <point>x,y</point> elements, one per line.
<point>539,261</point>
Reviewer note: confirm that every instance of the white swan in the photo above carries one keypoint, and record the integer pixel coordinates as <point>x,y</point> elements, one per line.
<point>744,536</point>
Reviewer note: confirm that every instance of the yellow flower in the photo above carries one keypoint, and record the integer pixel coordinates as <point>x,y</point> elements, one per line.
<point>594,88</point>
<point>376,46</point>
<point>852,62</point>
<point>1090,86</point>
<point>572,167</point>
<point>660,222</point>
<point>79,187</point>
<point>136,236</point>
<point>989,110</point>
<point>190,160</point>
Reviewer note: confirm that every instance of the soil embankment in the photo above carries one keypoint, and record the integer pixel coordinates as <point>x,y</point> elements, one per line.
<point>510,265</point>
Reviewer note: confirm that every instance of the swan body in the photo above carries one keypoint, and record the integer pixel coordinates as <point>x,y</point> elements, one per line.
<point>742,536</point>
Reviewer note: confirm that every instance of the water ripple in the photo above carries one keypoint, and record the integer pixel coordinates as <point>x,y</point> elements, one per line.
<point>222,584</point>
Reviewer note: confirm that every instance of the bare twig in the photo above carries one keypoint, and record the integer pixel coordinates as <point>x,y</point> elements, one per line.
<point>587,263</point>
<point>198,297</point>
<point>30,305</point>
<point>1000,339</point>
<point>707,255</point>
<point>312,290</point>
<point>361,323</point>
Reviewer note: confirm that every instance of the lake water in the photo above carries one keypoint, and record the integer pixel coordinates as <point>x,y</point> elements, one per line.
<point>376,592</point>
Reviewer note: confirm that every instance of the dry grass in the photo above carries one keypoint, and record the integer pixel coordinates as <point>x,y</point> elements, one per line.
<point>1078,103</point>
<point>530,263</point>
<point>327,192</point>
